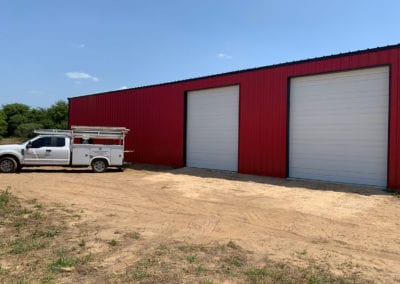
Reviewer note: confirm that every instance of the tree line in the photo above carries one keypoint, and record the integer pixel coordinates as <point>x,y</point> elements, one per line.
<point>19,120</point>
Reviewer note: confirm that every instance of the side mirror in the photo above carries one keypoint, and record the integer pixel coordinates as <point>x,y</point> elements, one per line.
<point>29,145</point>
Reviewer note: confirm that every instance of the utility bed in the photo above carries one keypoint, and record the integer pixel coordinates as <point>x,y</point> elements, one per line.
<point>83,153</point>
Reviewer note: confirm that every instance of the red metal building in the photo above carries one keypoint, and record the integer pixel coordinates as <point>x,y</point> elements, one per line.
<point>333,118</point>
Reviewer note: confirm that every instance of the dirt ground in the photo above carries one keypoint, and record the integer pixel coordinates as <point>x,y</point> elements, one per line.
<point>350,228</point>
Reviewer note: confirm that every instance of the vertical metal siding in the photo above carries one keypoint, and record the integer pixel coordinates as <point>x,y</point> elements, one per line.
<point>156,113</point>
<point>153,117</point>
<point>394,126</point>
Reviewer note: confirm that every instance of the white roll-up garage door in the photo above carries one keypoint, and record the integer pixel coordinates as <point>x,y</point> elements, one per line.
<point>212,128</point>
<point>338,126</point>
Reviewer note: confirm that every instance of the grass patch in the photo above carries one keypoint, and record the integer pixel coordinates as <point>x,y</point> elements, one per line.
<point>132,235</point>
<point>66,262</point>
<point>217,263</point>
<point>23,245</point>
<point>5,197</point>
<point>28,235</point>
<point>36,215</point>
<point>3,271</point>
<point>140,275</point>
<point>232,245</point>
<point>201,269</point>
<point>48,278</point>
<point>51,233</point>
<point>191,258</point>
<point>190,247</point>
<point>62,262</point>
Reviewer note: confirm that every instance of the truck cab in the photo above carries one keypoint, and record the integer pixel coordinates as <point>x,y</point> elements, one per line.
<point>41,151</point>
<point>47,150</point>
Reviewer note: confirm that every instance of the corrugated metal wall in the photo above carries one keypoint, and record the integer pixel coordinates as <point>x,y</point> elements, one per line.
<point>155,114</point>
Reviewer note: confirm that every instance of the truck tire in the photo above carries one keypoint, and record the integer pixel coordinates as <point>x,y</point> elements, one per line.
<point>8,165</point>
<point>99,165</point>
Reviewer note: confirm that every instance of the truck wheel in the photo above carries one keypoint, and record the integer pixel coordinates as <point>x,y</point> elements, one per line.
<point>19,168</point>
<point>8,165</point>
<point>99,166</point>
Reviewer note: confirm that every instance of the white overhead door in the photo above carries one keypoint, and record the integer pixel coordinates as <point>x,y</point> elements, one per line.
<point>338,126</point>
<point>212,128</point>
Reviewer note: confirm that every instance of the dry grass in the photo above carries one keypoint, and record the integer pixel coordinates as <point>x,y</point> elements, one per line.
<point>11,140</point>
<point>36,243</point>
<point>217,263</point>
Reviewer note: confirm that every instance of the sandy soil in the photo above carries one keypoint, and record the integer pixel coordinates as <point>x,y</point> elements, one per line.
<point>351,228</point>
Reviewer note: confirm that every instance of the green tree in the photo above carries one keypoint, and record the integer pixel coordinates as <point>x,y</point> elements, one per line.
<point>16,114</point>
<point>3,123</point>
<point>19,119</point>
<point>40,116</point>
<point>25,130</point>
<point>58,114</point>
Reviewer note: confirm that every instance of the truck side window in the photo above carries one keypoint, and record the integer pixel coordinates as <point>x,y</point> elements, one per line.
<point>57,142</point>
<point>41,142</point>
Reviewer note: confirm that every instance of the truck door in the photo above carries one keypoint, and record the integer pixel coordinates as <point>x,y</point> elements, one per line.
<point>60,151</point>
<point>47,150</point>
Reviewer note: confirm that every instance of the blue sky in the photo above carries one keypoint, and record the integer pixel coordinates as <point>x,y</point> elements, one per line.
<point>52,50</point>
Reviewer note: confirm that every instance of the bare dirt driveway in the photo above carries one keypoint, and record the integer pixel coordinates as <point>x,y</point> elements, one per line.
<point>350,228</point>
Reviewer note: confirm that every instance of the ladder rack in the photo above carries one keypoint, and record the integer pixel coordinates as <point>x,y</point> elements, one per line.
<point>53,132</point>
<point>88,132</point>
<point>99,132</point>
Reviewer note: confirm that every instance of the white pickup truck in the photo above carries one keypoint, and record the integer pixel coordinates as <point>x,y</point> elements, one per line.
<point>73,148</point>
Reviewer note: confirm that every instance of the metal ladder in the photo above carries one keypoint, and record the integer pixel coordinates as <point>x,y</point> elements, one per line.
<point>53,132</point>
<point>88,132</point>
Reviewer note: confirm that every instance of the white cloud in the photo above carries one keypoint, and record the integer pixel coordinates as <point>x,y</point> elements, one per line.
<point>123,88</point>
<point>77,45</point>
<point>81,76</point>
<point>224,56</point>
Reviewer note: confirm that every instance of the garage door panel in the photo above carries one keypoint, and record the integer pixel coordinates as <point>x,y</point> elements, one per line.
<point>322,125</point>
<point>352,86</point>
<point>323,140</point>
<point>353,78</point>
<point>338,126</point>
<point>215,150</point>
<point>335,177</point>
<point>212,128</point>
<point>335,164</point>
<point>377,106</point>
<point>344,155</point>
<point>342,173</point>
